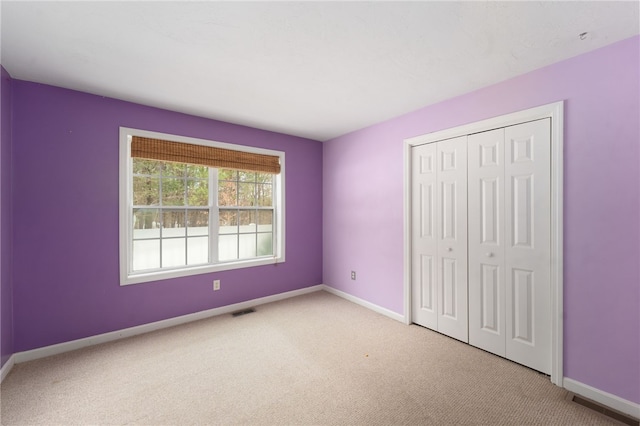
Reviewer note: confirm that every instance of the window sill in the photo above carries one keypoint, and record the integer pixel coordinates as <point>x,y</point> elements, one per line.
<point>196,270</point>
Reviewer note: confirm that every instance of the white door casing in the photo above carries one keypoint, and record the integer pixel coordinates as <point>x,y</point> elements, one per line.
<point>553,112</point>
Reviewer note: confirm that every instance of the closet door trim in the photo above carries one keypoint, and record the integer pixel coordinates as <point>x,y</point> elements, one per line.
<point>554,111</point>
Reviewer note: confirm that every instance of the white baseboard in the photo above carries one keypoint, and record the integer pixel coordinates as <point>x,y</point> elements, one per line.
<point>158,325</point>
<point>602,397</point>
<point>607,399</point>
<point>59,348</point>
<point>6,368</point>
<point>368,305</point>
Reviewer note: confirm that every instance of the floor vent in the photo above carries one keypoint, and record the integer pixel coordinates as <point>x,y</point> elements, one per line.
<point>615,415</point>
<point>243,312</point>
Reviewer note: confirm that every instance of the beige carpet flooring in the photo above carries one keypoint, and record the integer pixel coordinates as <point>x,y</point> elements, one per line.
<point>313,359</point>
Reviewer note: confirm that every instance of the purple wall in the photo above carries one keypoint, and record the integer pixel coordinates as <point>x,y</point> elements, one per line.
<point>363,204</point>
<point>6,285</point>
<point>66,279</point>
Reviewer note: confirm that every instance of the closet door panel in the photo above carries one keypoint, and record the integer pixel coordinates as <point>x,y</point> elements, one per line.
<point>527,248</point>
<point>486,241</point>
<point>481,235</point>
<point>424,243</point>
<point>451,233</point>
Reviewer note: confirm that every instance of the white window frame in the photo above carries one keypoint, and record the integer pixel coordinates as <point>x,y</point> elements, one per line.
<point>126,208</point>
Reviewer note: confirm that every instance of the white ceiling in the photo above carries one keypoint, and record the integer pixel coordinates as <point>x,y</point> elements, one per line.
<point>312,69</point>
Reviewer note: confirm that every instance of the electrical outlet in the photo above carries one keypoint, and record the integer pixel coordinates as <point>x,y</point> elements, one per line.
<point>216,285</point>
<point>353,275</point>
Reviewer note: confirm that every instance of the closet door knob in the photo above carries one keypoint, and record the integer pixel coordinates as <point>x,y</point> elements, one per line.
<point>489,254</point>
<point>449,249</point>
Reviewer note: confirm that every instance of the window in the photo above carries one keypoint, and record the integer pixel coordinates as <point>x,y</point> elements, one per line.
<point>190,206</point>
<point>245,208</point>
<point>170,215</point>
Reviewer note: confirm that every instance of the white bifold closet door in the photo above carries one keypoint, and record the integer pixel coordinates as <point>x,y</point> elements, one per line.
<point>439,243</point>
<point>509,243</point>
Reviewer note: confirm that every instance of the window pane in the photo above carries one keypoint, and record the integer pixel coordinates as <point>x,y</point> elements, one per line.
<point>173,223</point>
<point>173,252</point>
<point>194,171</point>
<point>197,192</point>
<point>197,250</point>
<point>264,195</point>
<point>173,192</point>
<point>146,255</point>
<point>146,167</point>
<point>247,176</point>
<point>146,223</point>
<point>247,246</point>
<point>146,191</point>
<point>264,178</point>
<point>227,247</point>
<point>265,220</point>
<point>228,222</point>
<point>227,193</point>
<point>246,194</point>
<point>227,174</point>
<point>173,169</point>
<point>197,222</point>
<point>265,244</point>
<point>247,221</point>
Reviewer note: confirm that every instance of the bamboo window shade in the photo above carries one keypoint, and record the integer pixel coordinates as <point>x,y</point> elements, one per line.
<point>158,149</point>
